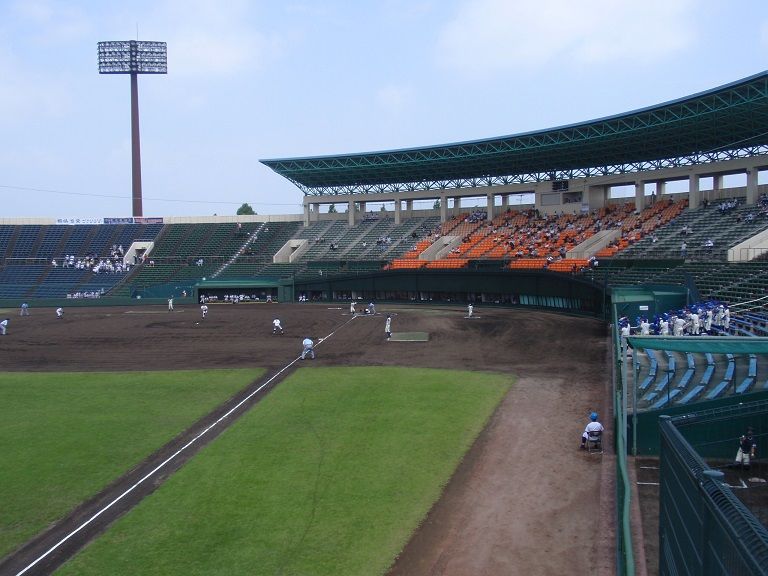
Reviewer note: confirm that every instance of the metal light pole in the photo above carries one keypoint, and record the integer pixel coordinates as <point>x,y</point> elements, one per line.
<point>134,57</point>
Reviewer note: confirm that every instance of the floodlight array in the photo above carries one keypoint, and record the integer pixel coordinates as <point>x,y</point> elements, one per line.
<point>132,57</point>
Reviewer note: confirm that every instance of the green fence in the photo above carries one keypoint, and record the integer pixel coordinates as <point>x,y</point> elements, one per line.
<point>625,562</point>
<point>703,527</point>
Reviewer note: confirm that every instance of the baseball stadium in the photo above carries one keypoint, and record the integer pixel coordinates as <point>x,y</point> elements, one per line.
<point>572,377</point>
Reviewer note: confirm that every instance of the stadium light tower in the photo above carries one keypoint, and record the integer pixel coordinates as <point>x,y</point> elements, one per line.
<point>134,57</point>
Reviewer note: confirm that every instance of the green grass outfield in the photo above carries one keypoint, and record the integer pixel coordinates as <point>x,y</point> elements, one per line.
<point>64,437</point>
<point>328,475</point>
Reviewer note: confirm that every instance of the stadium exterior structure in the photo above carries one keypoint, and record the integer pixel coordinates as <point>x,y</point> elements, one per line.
<point>569,169</point>
<point>710,134</point>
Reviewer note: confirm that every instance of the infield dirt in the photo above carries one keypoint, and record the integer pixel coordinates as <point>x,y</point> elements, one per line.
<point>525,500</point>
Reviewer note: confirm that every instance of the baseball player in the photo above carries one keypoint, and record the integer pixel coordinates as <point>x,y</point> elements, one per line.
<point>3,326</point>
<point>309,348</point>
<point>59,312</point>
<point>470,310</point>
<point>593,426</point>
<point>352,308</point>
<point>170,304</point>
<point>24,309</point>
<point>276,326</point>
<point>708,321</point>
<point>371,308</point>
<point>695,323</point>
<point>204,310</point>
<point>747,447</point>
<point>388,327</point>
<point>678,326</point>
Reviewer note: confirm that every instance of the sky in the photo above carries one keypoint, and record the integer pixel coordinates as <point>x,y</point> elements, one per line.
<point>252,80</point>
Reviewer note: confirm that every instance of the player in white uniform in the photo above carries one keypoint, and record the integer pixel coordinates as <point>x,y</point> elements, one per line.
<point>59,312</point>
<point>170,304</point>
<point>695,323</point>
<point>726,318</point>
<point>470,310</point>
<point>204,310</point>
<point>371,308</point>
<point>352,307</point>
<point>24,309</point>
<point>708,321</point>
<point>593,426</point>
<point>388,327</point>
<point>308,348</point>
<point>3,326</point>
<point>276,326</point>
<point>645,327</point>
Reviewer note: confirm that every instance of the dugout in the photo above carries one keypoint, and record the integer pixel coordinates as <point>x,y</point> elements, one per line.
<point>535,288</point>
<point>253,289</point>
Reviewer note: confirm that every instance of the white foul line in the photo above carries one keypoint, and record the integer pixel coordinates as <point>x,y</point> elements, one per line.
<point>171,457</point>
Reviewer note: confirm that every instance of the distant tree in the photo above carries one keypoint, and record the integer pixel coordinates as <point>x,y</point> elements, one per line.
<point>332,209</point>
<point>436,205</point>
<point>245,210</point>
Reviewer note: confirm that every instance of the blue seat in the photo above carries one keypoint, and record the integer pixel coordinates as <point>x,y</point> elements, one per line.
<point>745,385</point>
<point>693,394</point>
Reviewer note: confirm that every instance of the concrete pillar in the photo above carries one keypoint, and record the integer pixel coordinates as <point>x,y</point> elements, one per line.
<point>351,213</point>
<point>694,192</point>
<point>443,207</point>
<point>490,206</point>
<point>409,207</point>
<point>717,187</point>
<point>397,212</point>
<point>306,215</point>
<point>661,189</point>
<point>504,202</point>
<point>361,206</point>
<point>752,186</point>
<point>639,195</point>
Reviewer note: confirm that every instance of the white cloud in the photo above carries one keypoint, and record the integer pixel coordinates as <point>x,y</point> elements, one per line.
<point>764,34</point>
<point>212,37</point>
<point>51,22</point>
<point>392,98</point>
<point>26,95</point>
<point>499,35</point>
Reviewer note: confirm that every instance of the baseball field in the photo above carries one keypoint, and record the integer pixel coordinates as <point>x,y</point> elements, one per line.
<point>142,441</point>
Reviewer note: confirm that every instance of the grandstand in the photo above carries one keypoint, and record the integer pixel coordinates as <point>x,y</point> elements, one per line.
<point>577,248</point>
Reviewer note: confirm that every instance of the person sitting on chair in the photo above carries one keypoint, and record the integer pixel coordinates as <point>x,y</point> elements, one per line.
<point>593,428</point>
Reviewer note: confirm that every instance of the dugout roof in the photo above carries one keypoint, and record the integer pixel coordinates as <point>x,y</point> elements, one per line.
<point>727,122</point>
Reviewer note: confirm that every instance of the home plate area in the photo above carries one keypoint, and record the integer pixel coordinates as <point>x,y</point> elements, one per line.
<point>409,337</point>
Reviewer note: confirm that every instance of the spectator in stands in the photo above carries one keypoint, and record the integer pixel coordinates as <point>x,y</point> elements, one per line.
<point>683,250</point>
<point>54,263</point>
<point>747,448</point>
<point>709,245</point>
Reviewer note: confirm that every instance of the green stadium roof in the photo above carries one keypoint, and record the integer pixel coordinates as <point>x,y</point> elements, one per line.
<point>720,124</point>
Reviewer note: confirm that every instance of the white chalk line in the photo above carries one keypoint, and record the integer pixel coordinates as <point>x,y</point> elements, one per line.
<point>169,459</point>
